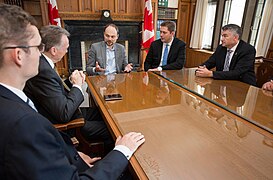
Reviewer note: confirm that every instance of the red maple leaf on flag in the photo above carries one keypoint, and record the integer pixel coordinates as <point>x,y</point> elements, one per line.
<point>148,34</point>
<point>53,14</point>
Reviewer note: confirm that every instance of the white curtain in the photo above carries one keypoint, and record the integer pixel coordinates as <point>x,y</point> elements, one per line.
<point>198,24</point>
<point>266,30</point>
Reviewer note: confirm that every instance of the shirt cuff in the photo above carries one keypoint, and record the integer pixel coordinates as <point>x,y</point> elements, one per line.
<point>159,68</point>
<point>79,87</point>
<point>124,150</point>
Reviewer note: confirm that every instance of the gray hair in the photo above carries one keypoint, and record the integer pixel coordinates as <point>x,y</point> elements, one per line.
<point>235,29</point>
<point>51,36</point>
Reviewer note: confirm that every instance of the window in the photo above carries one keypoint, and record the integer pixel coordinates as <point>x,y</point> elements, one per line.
<point>240,12</point>
<point>256,22</point>
<point>234,12</point>
<point>209,24</point>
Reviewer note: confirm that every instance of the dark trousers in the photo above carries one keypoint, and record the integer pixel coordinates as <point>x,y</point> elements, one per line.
<point>95,128</point>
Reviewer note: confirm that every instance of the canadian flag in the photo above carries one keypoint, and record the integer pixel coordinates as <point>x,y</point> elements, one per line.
<point>53,14</point>
<point>148,35</point>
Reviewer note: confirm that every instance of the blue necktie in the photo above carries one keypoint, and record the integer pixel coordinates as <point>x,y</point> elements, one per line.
<point>165,55</point>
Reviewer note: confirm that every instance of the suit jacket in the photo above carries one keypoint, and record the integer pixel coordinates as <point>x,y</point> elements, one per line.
<point>176,57</point>
<point>97,53</point>
<point>31,148</point>
<point>47,92</point>
<point>241,65</point>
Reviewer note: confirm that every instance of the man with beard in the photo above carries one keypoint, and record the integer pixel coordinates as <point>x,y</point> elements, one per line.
<point>107,57</point>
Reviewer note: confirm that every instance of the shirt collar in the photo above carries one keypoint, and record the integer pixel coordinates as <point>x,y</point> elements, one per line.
<point>16,91</point>
<point>51,63</point>
<point>234,47</point>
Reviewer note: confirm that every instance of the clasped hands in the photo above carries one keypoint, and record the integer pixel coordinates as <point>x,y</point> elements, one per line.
<point>77,78</point>
<point>202,71</point>
<point>268,88</point>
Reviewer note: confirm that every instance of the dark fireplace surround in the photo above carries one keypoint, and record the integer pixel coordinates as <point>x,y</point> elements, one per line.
<point>92,31</point>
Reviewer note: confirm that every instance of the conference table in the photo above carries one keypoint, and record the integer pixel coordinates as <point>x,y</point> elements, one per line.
<point>195,128</point>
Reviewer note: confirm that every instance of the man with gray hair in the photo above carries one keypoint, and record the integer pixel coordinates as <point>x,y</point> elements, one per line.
<point>51,96</point>
<point>31,148</point>
<point>234,59</point>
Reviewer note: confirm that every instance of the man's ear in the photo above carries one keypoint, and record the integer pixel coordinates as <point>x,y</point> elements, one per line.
<point>236,37</point>
<point>18,56</point>
<point>53,51</point>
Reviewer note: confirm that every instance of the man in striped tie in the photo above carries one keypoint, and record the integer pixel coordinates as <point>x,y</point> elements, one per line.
<point>234,59</point>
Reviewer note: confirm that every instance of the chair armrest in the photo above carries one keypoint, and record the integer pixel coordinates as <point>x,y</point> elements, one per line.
<point>72,124</point>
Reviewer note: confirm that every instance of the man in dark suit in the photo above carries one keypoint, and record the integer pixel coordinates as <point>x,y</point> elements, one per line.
<point>234,59</point>
<point>31,148</point>
<point>53,100</point>
<point>107,57</point>
<point>166,53</point>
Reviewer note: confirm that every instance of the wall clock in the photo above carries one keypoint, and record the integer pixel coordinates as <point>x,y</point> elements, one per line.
<point>105,15</point>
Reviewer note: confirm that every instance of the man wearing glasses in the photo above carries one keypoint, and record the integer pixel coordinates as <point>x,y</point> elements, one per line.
<point>31,148</point>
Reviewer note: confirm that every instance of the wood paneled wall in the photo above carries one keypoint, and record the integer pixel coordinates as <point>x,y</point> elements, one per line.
<point>185,19</point>
<point>195,57</point>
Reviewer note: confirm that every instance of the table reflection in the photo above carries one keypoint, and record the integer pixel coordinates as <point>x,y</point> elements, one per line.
<point>184,132</point>
<point>244,100</point>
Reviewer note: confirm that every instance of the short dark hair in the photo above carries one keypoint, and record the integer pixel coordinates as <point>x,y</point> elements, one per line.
<point>237,30</point>
<point>112,25</point>
<point>14,26</point>
<point>170,25</point>
<point>51,35</point>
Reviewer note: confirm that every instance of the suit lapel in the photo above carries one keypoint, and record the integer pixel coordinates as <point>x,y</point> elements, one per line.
<point>235,54</point>
<point>160,51</point>
<point>56,76</point>
<point>170,50</point>
<point>8,94</point>
<point>117,57</point>
<point>103,52</point>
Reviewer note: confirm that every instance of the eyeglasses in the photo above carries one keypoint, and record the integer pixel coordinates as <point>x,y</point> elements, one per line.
<point>41,47</point>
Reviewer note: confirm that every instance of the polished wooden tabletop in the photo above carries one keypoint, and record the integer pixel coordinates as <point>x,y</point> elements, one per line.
<point>187,136</point>
<point>249,102</point>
